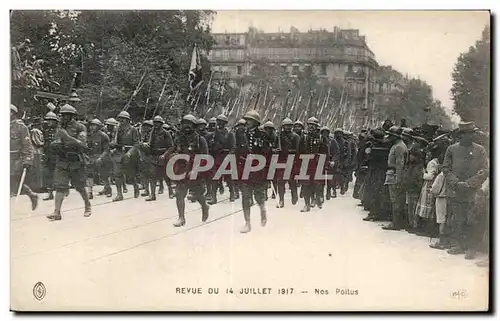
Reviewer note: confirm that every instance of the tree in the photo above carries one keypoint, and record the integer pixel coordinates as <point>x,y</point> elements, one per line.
<point>471,83</point>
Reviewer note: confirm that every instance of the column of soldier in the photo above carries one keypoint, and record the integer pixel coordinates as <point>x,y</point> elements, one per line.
<point>117,152</point>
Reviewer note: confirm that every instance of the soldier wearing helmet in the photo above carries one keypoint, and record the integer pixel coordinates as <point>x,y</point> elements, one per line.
<point>298,128</point>
<point>124,163</point>
<point>159,142</point>
<point>219,145</point>
<point>21,155</point>
<point>98,142</point>
<point>49,156</point>
<point>212,124</point>
<point>312,144</point>
<point>253,142</point>
<point>71,144</point>
<point>334,155</point>
<point>145,130</point>
<point>288,145</point>
<point>188,142</point>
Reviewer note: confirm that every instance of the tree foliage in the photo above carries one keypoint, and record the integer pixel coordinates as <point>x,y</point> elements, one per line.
<point>111,50</point>
<point>471,83</point>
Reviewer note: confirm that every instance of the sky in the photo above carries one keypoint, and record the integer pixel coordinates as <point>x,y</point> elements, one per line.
<point>424,44</point>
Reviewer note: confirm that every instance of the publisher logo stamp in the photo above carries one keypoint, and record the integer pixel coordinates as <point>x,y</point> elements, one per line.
<point>39,291</point>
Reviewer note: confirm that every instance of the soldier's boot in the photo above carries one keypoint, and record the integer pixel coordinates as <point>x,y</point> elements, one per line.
<point>50,196</point>
<point>171,193</point>
<point>204,208</point>
<point>107,189</point>
<point>119,195</point>
<point>58,200</point>
<point>319,200</point>
<point>152,196</point>
<point>213,197</point>
<point>33,197</point>
<point>295,198</point>
<point>307,207</point>
<point>302,192</point>
<point>162,188</point>
<point>232,197</point>
<point>328,192</point>
<point>124,186</point>
<point>85,196</point>
<point>281,202</point>
<point>263,215</point>
<point>136,190</point>
<point>312,200</point>
<point>146,188</point>
<point>221,187</point>
<point>246,214</point>
<point>181,205</point>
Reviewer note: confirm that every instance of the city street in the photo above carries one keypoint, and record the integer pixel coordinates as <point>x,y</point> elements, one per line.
<point>128,256</point>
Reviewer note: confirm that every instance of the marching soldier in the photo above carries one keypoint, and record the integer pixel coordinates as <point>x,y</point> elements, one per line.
<point>49,155</point>
<point>171,132</point>
<point>334,149</point>
<point>159,143</point>
<point>253,142</point>
<point>212,125</point>
<point>288,144</point>
<point>21,155</point>
<point>227,142</point>
<point>98,142</point>
<point>124,139</point>
<point>272,138</point>
<point>191,143</point>
<point>343,158</point>
<point>239,150</point>
<point>147,167</point>
<point>70,143</point>
<point>313,144</point>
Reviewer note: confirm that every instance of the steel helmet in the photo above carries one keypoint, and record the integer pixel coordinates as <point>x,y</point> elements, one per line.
<point>242,122</point>
<point>158,119</point>
<point>166,126</point>
<point>148,122</point>
<point>51,115</point>
<point>222,117</point>
<point>313,121</point>
<point>212,120</point>
<point>111,121</point>
<point>252,114</point>
<point>201,121</point>
<point>123,114</point>
<point>298,122</point>
<point>325,128</point>
<point>13,108</point>
<point>96,121</point>
<point>287,121</point>
<point>269,124</point>
<point>190,118</point>
<point>68,109</point>
<point>338,130</point>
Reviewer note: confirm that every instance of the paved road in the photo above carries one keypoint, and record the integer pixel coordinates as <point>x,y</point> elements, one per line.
<point>128,256</point>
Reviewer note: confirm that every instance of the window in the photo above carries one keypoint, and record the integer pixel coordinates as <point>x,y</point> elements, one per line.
<point>239,70</point>
<point>295,70</point>
<point>323,70</point>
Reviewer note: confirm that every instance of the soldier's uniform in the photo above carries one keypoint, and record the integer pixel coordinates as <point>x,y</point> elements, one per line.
<point>333,149</point>
<point>70,144</point>
<point>188,142</point>
<point>146,165</point>
<point>21,156</point>
<point>124,163</point>
<point>288,144</point>
<point>254,141</point>
<point>159,143</point>
<point>313,144</point>
<point>201,129</point>
<point>49,155</point>
<point>272,141</point>
<point>98,143</point>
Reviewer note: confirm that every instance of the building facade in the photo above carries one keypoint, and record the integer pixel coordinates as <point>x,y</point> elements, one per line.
<point>342,55</point>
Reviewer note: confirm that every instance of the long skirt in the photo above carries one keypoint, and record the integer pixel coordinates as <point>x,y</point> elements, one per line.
<point>426,202</point>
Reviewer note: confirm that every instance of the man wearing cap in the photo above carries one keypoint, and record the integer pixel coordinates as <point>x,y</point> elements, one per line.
<point>21,155</point>
<point>160,141</point>
<point>465,168</point>
<point>98,142</point>
<point>312,144</point>
<point>49,156</point>
<point>126,137</point>
<point>398,155</point>
<point>188,142</point>
<point>70,144</point>
<point>253,141</point>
